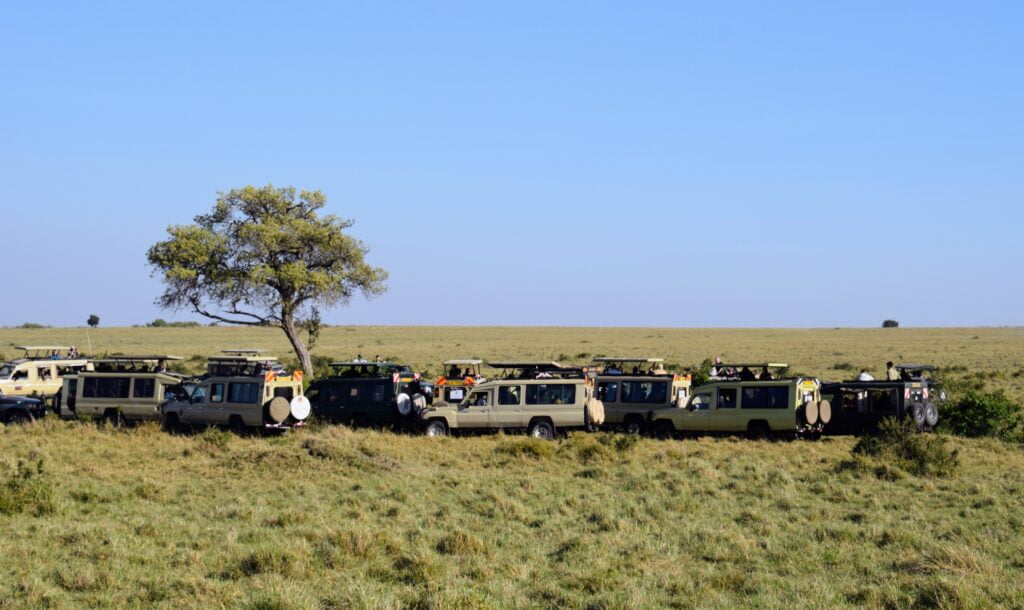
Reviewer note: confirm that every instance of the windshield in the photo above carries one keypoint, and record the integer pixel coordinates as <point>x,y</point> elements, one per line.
<point>6,370</point>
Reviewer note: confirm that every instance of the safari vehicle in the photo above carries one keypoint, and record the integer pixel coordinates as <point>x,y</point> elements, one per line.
<point>452,386</point>
<point>119,389</point>
<point>759,407</point>
<point>241,388</point>
<point>540,397</point>
<point>633,389</point>
<point>20,409</point>
<point>861,405</point>
<point>370,394</point>
<point>40,370</point>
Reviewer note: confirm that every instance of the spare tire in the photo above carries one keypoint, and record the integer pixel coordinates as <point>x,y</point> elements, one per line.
<point>300,408</point>
<point>593,411</point>
<point>824,411</point>
<point>404,404</point>
<point>811,412</point>
<point>917,412</point>
<point>931,414</point>
<point>277,409</point>
<point>419,402</point>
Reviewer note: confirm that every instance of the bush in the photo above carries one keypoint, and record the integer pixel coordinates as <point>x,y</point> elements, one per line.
<point>985,414</point>
<point>899,443</point>
<point>161,323</point>
<point>890,324</point>
<point>27,490</point>
<point>32,326</point>
<point>526,447</point>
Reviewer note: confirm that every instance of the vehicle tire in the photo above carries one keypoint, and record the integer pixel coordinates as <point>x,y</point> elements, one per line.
<point>542,430</point>
<point>931,414</point>
<point>404,404</point>
<point>277,409</point>
<point>917,412</point>
<point>593,411</point>
<point>172,424</point>
<point>19,417</point>
<point>57,398</point>
<point>114,418</point>
<point>634,425</point>
<point>436,427</point>
<point>810,412</point>
<point>824,411</point>
<point>236,425</point>
<point>759,430</point>
<point>664,429</point>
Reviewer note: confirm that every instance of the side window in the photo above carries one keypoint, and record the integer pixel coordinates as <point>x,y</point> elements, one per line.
<point>508,395</point>
<point>144,388</point>
<point>106,387</point>
<point>20,374</point>
<point>375,392</point>
<point>285,392</point>
<point>244,393</point>
<point>644,391</point>
<point>726,398</point>
<point>608,391</point>
<point>216,392</point>
<point>700,402</point>
<point>478,399</point>
<point>551,394</point>
<point>43,373</point>
<point>771,397</point>
<point>199,394</point>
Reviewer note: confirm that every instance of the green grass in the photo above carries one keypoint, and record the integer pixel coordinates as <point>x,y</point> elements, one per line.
<point>335,518</point>
<point>332,518</point>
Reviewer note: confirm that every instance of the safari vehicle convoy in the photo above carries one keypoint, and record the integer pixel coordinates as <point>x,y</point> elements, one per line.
<point>361,393</point>
<point>241,388</point>
<point>118,389</point>
<point>40,370</point>
<point>737,401</point>
<point>633,389</point>
<point>541,397</point>
<point>862,404</point>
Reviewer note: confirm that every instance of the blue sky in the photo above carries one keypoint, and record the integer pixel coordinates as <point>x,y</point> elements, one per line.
<point>583,163</point>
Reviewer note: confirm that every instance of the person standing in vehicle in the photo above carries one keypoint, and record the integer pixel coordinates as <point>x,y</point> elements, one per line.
<point>891,374</point>
<point>865,376</point>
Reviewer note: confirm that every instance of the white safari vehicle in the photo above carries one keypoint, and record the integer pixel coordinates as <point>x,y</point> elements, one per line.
<point>242,388</point>
<point>119,389</point>
<point>633,390</point>
<point>40,370</point>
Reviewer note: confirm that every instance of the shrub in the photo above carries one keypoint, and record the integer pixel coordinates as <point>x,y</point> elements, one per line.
<point>899,443</point>
<point>890,324</point>
<point>27,490</point>
<point>526,447</point>
<point>984,414</point>
<point>32,326</point>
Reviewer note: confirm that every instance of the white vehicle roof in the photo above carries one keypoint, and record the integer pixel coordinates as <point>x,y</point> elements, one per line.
<point>42,347</point>
<point>137,358</point>
<point>520,364</point>
<point>651,360</point>
<point>463,361</point>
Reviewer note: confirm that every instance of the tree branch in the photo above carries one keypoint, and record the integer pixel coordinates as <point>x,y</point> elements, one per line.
<point>260,321</point>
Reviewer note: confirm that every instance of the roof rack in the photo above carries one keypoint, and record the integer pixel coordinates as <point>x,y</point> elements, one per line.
<point>472,361</point>
<point>148,358</point>
<point>916,367</point>
<point>356,363</point>
<point>33,348</point>
<point>524,364</point>
<point>771,365</point>
<point>243,351</point>
<point>649,360</point>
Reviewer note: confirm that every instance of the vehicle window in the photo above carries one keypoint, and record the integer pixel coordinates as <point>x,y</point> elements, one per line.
<point>608,391</point>
<point>770,397</point>
<point>216,392</point>
<point>43,373</point>
<point>478,399</point>
<point>144,388</point>
<point>20,375</point>
<point>644,391</point>
<point>551,394</point>
<point>726,398</point>
<point>175,392</point>
<point>701,402</point>
<point>882,401</point>
<point>508,395</point>
<point>5,371</point>
<point>106,387</point>
<point>285,392</point>
<point>247,393</point>
<point>454,394</point>
<point>199,394</point>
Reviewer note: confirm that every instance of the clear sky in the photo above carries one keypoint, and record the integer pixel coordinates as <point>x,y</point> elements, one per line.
<point>583,163</point>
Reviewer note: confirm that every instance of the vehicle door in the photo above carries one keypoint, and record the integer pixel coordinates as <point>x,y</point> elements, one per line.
<point>475,411</point>
<point>695,417</point>
<point>23,379</point>
<point>143,397</point>
<point>556,400</point>
<point>508,412</point>
<point>45,381</point>
<point>195,412</point>
<point>608,393</point>
<point>725,416</point>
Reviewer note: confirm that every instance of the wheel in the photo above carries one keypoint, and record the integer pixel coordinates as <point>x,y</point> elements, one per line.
<point>634,425</point>
<point>19,417</point>
<point>931,415</point>
<point>114,418</point>
<point>57,400</point>
<point>917,412</point>
<point>236,424</point>
<point>758,430</point>
<point>664,429</point>
<point>542,430</point>
<point>171,423</point>
<point>436,428</point>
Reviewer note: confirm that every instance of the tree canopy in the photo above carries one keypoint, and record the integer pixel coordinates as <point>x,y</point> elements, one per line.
<point>264,256</point>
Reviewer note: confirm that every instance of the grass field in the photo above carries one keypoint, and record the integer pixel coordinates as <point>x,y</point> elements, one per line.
<point>333,518</point>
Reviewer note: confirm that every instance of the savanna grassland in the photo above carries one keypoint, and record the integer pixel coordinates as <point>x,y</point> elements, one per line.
<point>330,518</point>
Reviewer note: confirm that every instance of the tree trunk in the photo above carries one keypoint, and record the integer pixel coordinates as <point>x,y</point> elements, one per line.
<point>305,360</point>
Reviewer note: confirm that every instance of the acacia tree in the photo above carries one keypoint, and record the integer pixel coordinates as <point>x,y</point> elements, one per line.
<point>264,257</point>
